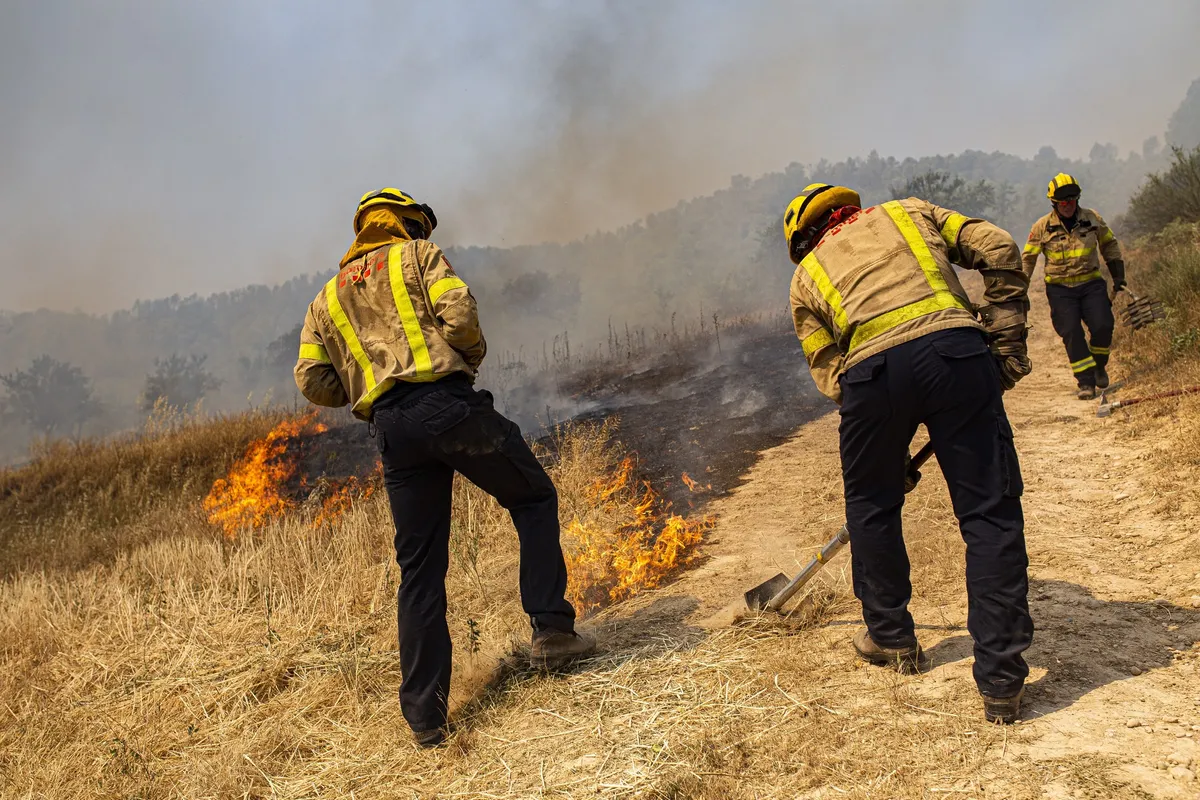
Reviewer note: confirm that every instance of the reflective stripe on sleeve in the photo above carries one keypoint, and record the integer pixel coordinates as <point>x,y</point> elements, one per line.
<point>314,352</point>
<point>1032,249</point>
<point>1082,365</point>
<point>916,243</point>
<point>344,328</point>
<point>1074,279</point>
<point>408,316</point>
<point>1107,237</point>
<point>951,228</point>
<point>439,288</point>
<point>815,341</point>
<point>832,296</point>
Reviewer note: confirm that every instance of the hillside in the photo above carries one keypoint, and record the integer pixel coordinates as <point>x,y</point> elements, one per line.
<point>186,664</point>
<point>714,255</point>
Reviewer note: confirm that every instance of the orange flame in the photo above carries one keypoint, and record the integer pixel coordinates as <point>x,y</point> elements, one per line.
<point>341,499</point>
<point>642,545</point>
<point>251,494</point>
<point>694,485</point>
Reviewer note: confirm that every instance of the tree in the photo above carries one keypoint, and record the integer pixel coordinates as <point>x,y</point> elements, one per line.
<point>50,396</point>
<point>950,191</point>
<point>180,382</point>
<point>1183,130</point>
<point>1167,196</point>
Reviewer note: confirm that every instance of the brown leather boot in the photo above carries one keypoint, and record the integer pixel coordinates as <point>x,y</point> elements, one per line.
<point>1004,710</point>
<point>905,660</point>
<point>553,649</point>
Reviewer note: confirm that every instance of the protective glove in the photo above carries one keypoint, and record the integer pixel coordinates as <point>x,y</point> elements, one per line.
<point>1117,288</point>
<point>1007,338</point>
<point>911,476</point>
<point>1012,369</point>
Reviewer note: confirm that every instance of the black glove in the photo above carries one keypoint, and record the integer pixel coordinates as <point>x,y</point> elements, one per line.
<point>911,476</point>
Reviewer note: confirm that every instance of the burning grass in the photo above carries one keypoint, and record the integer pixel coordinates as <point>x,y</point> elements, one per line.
<point>629,541</point>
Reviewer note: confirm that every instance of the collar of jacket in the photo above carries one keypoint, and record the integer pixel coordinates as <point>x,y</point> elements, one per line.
<point>377,231</point>
<point>1082,217</point>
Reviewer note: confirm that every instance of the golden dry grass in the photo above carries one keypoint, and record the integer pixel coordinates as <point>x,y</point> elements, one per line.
<point>189,667</point>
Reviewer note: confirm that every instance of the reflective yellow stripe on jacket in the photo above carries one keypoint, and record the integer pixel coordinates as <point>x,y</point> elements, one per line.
<point>408,317</point>
<point>825,286</point>
<point>314,352</point>
<point>1063,255</point>
<point>444,285</point>
<point>942,298</point>
<point>1071,281</point>
<point>815,341</point>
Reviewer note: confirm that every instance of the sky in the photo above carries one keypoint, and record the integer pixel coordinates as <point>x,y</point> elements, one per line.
<point>160,147</point>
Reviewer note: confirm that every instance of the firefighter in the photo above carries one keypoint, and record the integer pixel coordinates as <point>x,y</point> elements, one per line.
<point>1069,237</point>
<point>889,334</point>
<point>395,335</point>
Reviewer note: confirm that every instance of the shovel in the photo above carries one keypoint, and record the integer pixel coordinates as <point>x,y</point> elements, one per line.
<point>772,594</point>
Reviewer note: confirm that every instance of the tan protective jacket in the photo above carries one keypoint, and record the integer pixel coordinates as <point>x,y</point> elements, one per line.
<point>1071,256</point>
<point>884,277</point>
<point>397,313</point>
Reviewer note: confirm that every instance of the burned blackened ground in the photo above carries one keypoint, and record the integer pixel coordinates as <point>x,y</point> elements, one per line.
<point>709,416</point>
<point>706,414</point>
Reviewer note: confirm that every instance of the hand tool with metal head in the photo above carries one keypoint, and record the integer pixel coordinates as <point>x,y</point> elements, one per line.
<point>1107,407</point>
<point>772,594</point>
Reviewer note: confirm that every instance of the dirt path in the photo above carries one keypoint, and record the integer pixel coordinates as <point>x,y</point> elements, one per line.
<point>1113,706</point>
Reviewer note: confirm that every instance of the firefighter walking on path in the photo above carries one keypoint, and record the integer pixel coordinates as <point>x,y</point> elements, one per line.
<point>889,334</point>
<point>1072,239</point>
<point>396,336</point>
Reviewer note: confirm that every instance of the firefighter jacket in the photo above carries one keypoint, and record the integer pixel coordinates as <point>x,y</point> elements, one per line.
<point>1071,256</point>
<point>884,277</point>
<point>396,313</point>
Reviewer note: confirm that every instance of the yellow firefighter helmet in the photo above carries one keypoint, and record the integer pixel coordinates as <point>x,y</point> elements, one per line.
<point>1063,187</point>
<point>402,202</point>
<point>809,206</point>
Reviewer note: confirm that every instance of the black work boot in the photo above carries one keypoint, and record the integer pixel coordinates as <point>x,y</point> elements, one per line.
<point>553,649</point>
<point>905,660</point>
<point>1086,392</point>
<point>430,738</point>
<point>1101,378</point>
<point>1004,710</point>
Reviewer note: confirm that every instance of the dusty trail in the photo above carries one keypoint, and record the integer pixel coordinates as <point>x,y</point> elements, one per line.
<point>1115,574</point>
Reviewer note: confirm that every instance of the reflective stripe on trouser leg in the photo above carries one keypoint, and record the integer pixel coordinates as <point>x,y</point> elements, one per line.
<point>1096,310</point>
<point>1066,313</point>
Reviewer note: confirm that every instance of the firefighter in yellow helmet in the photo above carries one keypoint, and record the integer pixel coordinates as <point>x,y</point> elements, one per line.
<point>396,336</point>
<point>1071,238</point>
<point>890,335</point>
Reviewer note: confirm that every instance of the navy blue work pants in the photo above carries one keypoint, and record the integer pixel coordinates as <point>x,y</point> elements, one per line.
<point>948,381</point>
<point>426,433</point>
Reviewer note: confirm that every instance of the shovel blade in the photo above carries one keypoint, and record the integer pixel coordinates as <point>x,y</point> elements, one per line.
<point>758,597</point>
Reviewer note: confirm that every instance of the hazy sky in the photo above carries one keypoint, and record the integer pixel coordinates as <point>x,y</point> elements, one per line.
<point>155,147</point>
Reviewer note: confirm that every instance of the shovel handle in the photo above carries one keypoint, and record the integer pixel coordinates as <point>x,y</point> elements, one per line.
<point>834,545</point>
<point>830,550</point>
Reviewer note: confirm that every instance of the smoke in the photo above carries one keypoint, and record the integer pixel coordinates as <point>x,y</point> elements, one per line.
<point>154,148</point>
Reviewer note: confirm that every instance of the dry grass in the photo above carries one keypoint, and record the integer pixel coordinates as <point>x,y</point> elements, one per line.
<point>192,668</point>
<point>79,501</point>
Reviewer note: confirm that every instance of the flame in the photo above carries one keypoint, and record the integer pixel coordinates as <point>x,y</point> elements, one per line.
<point>642,544</point>
<point>251,494</point>
<point>341,499</point>
<point>694,485</point>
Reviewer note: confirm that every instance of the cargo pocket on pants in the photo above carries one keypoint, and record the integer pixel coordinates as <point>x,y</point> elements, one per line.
<point>1010,467</point>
